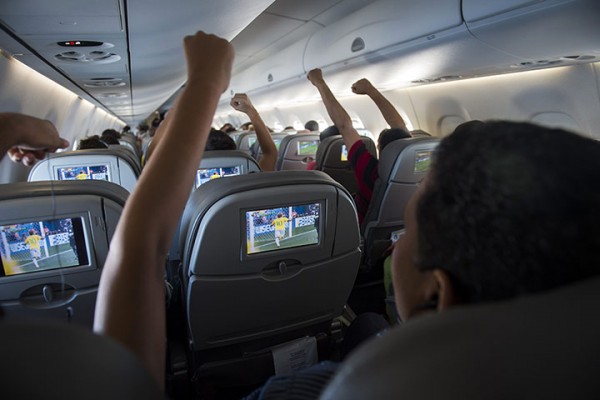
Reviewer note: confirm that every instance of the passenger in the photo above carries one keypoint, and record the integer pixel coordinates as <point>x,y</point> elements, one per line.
<point>247,127</point>
<point>219,140</point>
<point>268,161</point>
<point>130,305</point>
<point>227,128</point>
<point>481,228</point>
<point>311,126</point>
<point>92,142</point>
<point>363,163</point>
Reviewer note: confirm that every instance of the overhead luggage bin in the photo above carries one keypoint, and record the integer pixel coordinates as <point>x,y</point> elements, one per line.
<point>382,24</point>
<point>544,33</point>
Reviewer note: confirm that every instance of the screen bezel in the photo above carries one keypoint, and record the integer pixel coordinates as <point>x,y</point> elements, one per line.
<point>282,251</point>
<point>419,153</point>
<point>344,149</point>
<point>59,168</point>
<point>82,242</point>
<point>196,181</point>
<point>313,141</point>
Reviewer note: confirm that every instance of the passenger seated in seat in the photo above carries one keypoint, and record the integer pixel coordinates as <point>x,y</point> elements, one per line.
<point>219,140</point>
<point>241,102</point>
<point>507,210</point>
<point>363,163</point>
<point>311,126</point>
<point>130,305</point>
<point>92,142</point>
<point>227,128</point>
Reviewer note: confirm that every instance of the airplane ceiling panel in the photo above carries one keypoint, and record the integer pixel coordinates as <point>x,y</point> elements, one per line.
<point>156,51</point>
<point>38,17</point>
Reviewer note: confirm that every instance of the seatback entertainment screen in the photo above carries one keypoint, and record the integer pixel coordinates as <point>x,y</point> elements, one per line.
<point>282,227</point>
<point>422,161</point>
<point>307,147</point>
<point>205,175</point>
<point>42,245</point>
<point>93,172</point>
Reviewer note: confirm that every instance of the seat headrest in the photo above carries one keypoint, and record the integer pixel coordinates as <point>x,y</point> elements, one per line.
<point>60,361</point>
<point>540,346</point>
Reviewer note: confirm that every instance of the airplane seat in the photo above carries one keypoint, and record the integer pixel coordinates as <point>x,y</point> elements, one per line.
<point>268,259</point>
<point>245,141</point>
<point>512,349</point>
<point>332,158</point>
<point>117,165</point>
<point>56,361</point>
<point>225,163</point>
<point>131,144</point>
<point>296,151</point>
<point>217,164</point>
<point>402,165</point>
<point>235,135</point>
<point>256,150</point>
<point>54,242</point>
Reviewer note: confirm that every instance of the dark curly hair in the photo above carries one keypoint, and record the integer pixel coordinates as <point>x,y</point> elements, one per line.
<point>219,140</point>
<point>511,208</point>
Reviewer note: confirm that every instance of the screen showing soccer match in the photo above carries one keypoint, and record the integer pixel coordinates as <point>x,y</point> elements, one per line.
<point>95,172</point>
<point>205,175</point>
<point>422,161</point>
<point>42,245</point>
<point>307,147</point>
<point>282,228</point>
<point>344,153</point>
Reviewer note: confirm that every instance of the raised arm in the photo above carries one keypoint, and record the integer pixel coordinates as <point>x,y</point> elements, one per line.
<point>389,112</point>
<point>26,139</point>
<point>242,103</point>
<point>130,306</point>
<point>336,112</point>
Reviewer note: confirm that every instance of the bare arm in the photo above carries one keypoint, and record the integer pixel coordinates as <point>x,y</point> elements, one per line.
<point>130,305</point>
<point>160,131</point>
<point>242,103</point>
<point>25,138</point>
<point>336,112</point>
<point>389,112</point>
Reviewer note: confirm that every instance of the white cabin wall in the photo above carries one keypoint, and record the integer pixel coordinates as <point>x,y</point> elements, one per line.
<point>26,91</point>
<point>565,97</point>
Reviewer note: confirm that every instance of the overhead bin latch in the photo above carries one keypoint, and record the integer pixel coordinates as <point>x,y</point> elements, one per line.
<point>357,45</point>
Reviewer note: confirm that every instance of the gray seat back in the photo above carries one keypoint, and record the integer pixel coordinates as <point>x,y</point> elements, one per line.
<point>117,165</point>
<point>245,140</point>
<point>402,165</point>
<point>518,349</point>
<point>230,255</point>
<point>277,138</point>
<point>332,158</point>
<point>56,361</point>
<point>296,151</point>
<point>56,274</point>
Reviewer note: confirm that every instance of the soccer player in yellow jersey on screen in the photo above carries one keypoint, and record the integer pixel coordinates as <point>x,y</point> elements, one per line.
<point>33,241</point>
<point>279,223</point>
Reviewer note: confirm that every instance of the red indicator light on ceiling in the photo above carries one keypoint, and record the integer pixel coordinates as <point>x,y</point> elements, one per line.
<point>72,43</point>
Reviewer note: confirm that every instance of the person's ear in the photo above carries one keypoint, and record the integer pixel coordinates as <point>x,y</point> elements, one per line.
<point>447,296</point>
